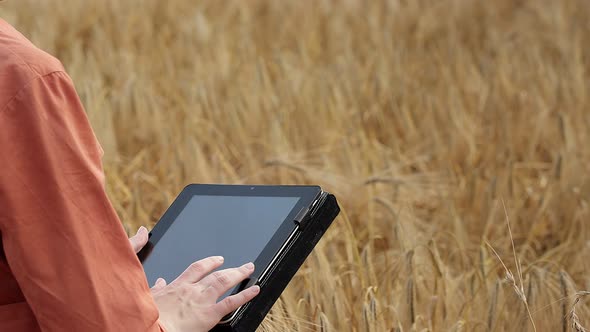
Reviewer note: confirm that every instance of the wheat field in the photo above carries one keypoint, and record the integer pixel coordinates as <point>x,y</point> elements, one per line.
<point>453,132</point>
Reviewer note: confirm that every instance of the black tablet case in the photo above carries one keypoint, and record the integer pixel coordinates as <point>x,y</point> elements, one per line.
<point>250,317</point>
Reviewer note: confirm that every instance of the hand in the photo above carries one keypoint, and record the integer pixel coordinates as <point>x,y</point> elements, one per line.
<point>139,240</point>
<point>189,303</point>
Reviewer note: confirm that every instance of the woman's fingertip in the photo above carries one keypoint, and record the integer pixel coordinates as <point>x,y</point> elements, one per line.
<point>255,289</point>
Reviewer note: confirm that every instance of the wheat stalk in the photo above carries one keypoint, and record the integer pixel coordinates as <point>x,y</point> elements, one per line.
<point>573,316</point>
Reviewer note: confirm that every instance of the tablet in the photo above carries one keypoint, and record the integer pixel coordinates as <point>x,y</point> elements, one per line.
<point>260,224</point>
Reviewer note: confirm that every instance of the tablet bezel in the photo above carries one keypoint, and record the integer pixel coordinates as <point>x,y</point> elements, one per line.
<point>307,195</point>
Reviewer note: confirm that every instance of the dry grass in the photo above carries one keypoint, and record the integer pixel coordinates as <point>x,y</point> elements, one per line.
<point>421,116</point>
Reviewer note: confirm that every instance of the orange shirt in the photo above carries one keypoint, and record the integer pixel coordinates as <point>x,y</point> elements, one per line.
<point>65,261</point>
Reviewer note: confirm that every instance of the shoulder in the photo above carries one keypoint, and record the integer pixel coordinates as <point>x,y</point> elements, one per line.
<point>21,63</point>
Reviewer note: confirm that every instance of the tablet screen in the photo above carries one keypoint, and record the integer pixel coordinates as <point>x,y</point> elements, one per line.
<point>235,227</point>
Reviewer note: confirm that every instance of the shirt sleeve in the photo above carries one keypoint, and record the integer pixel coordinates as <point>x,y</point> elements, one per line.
<point>62,238</point>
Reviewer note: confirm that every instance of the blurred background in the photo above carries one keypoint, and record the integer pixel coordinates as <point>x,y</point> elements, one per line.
<point>453,132</point>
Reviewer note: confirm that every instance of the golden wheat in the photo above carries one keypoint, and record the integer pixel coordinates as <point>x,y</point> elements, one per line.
<point>421,116</point>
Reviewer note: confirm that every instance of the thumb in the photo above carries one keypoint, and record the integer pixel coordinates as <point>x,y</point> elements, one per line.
<point>139,240</point>
<point>160,283</point>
